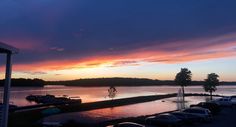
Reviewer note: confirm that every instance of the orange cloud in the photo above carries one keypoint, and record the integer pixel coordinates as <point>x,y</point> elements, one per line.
<point>179,51</point>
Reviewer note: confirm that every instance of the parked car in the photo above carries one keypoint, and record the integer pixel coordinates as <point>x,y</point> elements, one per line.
<point>233,100</point>
<point>225,101</point>
<point>164,120</point>
<point>213,107</point>
<point>204,113</point>
<point>233,97</point>
<point>186,118</point>
<point>126,124</point>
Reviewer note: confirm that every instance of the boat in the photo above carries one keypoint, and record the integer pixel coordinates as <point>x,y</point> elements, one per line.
<point>51,99</point>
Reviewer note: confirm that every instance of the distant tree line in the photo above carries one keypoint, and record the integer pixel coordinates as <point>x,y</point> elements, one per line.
<point>101,82</point>
<point>123,82</point>
<point>106,82</point>
<point>25,82</point>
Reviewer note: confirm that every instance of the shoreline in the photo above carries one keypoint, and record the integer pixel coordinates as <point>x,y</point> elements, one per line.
<point>45,86</point>
<point>96,82</point>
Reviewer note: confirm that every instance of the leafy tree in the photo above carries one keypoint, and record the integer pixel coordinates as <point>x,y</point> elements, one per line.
<point>183,78</point>
<point>112,92</point>
<point>210,83</point>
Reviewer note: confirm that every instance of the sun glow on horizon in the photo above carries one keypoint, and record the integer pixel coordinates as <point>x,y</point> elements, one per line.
<point>149,70</point>
<point>145,62</point>
<point>79,39</point>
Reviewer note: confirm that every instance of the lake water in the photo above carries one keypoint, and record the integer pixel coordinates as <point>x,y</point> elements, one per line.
<point>91,94</point>
<point>101,115</point>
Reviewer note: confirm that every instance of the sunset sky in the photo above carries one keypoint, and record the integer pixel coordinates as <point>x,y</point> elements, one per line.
<point>72,39</point>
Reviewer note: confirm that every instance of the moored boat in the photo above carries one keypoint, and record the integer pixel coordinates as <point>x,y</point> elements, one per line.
<point>51,99</point>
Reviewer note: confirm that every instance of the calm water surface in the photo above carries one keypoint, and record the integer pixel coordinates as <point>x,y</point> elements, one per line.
<point>99,115</point>
<point>91,94</point>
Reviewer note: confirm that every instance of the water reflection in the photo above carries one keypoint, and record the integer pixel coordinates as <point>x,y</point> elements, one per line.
<point>134,110</point>
<point>180,100</point>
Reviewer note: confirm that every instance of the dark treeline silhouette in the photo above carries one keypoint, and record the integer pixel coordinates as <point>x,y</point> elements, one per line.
<point>227,83</point>
<point>25,82</point>
<point>106,82</point>
<point>101,82</point>
<point>122,82</point>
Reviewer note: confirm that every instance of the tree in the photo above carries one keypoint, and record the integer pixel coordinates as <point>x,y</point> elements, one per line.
<point>210,83</point>
<point>183,78</point>
<point>112,92</point>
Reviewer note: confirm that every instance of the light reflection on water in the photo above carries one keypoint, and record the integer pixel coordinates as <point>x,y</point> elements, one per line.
<point>99,115</point>
<point>91,94</point>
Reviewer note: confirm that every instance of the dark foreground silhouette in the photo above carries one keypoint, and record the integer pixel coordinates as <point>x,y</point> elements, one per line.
<point>21,82</point>
<point>28,117</point>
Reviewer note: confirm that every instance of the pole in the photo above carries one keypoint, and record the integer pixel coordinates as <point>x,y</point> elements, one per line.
<point>6,91</point>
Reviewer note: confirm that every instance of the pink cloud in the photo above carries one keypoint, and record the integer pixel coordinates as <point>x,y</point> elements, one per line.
<point>57,49</point>
<point>25,43</point>
<point>183,51</point>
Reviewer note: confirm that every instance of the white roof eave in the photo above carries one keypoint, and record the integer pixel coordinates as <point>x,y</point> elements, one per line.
<point>4,48</point>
